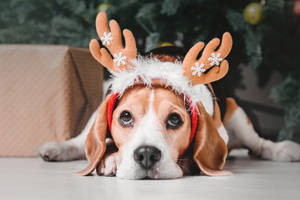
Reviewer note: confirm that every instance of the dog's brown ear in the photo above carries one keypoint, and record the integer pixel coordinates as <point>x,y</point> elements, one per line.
<point>95,145</point>
<point>210,150</point>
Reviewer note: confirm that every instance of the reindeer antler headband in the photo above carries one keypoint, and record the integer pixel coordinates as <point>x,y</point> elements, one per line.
<point>187,78</point>
<point>113,41</point>
<point>128,69</point>
<point>124,58</point>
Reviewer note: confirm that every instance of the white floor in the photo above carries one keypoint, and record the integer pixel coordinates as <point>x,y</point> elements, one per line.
<point>32,178</point>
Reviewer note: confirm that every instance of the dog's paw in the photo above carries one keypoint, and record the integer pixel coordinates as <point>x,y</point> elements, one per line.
<point>285,151</point>
<point>54,151</point>
<point>108,165</point>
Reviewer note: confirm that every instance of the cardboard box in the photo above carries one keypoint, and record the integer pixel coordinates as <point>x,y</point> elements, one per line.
<point>47,93</point>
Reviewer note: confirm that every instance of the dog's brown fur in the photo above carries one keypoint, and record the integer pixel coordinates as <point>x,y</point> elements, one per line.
<point>209,149</point>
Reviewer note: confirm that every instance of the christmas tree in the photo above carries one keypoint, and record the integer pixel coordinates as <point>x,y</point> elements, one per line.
<point>266,33</point>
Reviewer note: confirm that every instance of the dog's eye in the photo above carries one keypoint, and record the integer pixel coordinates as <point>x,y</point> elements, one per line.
<point>174,121</point>
<point>126,119</point>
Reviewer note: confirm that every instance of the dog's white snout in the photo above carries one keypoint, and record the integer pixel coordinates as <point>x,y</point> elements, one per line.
<point>147,156</point>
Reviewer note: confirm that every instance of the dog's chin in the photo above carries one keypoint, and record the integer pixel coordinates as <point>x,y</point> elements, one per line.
<point>132,174</point>
<point>155,173</point>
<point>152,174</point>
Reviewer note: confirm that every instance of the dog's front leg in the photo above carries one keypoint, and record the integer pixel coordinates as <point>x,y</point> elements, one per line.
<point>108,165</point>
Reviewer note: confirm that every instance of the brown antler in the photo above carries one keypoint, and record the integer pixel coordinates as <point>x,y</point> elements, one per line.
<point>195,69</point>
<point>113,42</point>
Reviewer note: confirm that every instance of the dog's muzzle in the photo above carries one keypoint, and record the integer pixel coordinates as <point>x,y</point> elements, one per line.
<point>147,156</point>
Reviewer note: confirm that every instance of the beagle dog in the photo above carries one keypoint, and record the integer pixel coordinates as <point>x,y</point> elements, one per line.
<point>161,118</point>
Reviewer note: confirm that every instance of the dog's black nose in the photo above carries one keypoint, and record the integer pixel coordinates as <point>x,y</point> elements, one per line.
<point>147,156</point>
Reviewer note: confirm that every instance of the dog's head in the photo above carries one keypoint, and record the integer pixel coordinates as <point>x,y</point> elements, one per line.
<point>155,117</point>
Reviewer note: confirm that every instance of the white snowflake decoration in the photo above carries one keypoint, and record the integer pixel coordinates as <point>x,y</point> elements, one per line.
<point>119,59</point>
<point>106,38</point>
<point>198,69</point>
<point>215,59</point>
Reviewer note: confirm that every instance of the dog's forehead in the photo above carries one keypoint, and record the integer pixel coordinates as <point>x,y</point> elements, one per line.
<point>167,98</point>
<point>141,94</point>
<point>136,94</point>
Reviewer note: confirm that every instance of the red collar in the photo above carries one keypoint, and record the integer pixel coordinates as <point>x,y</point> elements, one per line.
<point>194,113</point>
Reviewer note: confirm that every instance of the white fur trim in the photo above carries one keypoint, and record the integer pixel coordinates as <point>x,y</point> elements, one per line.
<point>170,73</point>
